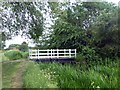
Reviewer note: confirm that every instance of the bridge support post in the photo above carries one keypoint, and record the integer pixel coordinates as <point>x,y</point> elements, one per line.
<point>64,52</point>
<point>75,53</point>
<point>70,53</point>
<point>47,52</point>
<point>38,53</point>
<point>51,53</point>
<point>57,53</point>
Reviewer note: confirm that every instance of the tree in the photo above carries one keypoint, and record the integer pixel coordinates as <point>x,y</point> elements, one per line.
<point>75,25</point>
<point>3,37</point>
<point>92,24</point>
<point>23,47</point>
<point>14,46</point>
<point>106,26</point>
<point>71,28</point>
<point>25,17</point>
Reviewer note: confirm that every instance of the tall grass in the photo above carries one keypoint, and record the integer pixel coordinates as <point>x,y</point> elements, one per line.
<point>69,76</point>
<point>36,78</point>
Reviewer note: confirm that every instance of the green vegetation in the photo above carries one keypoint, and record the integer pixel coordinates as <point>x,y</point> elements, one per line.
<point>25,55</point>
<point>71,76</point>
<point>3,57</point>
<point>22,47</point>
<point>36,78</point>
<point>8,70</point>
<point>15,55</point>
<point>90,27</point>
<point>3,38</point>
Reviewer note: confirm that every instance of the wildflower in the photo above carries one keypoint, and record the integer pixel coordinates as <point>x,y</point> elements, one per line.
<point>53,72</point>
<point>92,83</point>
<point>97,87</point>
<point>45,76</point>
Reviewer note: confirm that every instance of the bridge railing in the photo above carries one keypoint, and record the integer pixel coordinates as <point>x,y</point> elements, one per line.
<point>52,53</point>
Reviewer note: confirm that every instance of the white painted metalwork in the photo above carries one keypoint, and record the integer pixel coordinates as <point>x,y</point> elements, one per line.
<point>52,53</point>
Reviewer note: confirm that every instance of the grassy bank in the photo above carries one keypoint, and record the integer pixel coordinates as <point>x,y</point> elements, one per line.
<point>46,75</point>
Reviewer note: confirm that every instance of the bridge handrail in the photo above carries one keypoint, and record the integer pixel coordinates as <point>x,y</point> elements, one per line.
<point>52,53</point>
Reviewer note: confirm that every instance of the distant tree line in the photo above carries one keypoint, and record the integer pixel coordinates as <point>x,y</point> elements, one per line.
<point>23,47</point>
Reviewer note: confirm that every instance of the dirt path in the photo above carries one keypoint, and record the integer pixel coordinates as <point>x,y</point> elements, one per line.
<point>17,79</point>
<point>15,61</point>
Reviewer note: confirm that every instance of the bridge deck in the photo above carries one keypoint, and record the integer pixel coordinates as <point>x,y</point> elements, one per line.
<point>61,60</point>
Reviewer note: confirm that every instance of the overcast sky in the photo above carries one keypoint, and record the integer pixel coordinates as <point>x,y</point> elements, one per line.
<point>19,39</point>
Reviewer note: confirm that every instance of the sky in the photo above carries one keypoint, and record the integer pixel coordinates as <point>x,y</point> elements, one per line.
<point>18,39</point>
<point>114,1</point>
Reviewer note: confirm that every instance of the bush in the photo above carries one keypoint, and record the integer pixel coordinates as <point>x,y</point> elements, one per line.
<point>25,54</point>
<point>109,51</point>
<point>13,55</point>
<point>87,54</point>
<point>80,57</point>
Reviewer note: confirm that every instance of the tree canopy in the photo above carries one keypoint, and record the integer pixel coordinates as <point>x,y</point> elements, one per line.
<point>22,17</point>
<point>73,25</point>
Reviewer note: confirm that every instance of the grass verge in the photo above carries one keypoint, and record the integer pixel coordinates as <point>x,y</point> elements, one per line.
<point>8,70</point>
<point>36,78</point>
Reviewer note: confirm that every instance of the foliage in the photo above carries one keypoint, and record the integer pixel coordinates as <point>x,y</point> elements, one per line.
<point>85,24</point>
<point>23,17</point>
<point>95,25</point>
<point>80,57</point>
<point>13,55</point>
<point>36,78</point>
<point>23,47</point>
<point>109,51</point>
<point>3,37</point>
<point>13,46</point>
<point>91,28</point>
<point>68,76</point>
<point>25,55</point>
<point>87,55</point>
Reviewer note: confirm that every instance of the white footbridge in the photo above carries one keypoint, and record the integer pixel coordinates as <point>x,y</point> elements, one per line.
<point>52,53</point>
